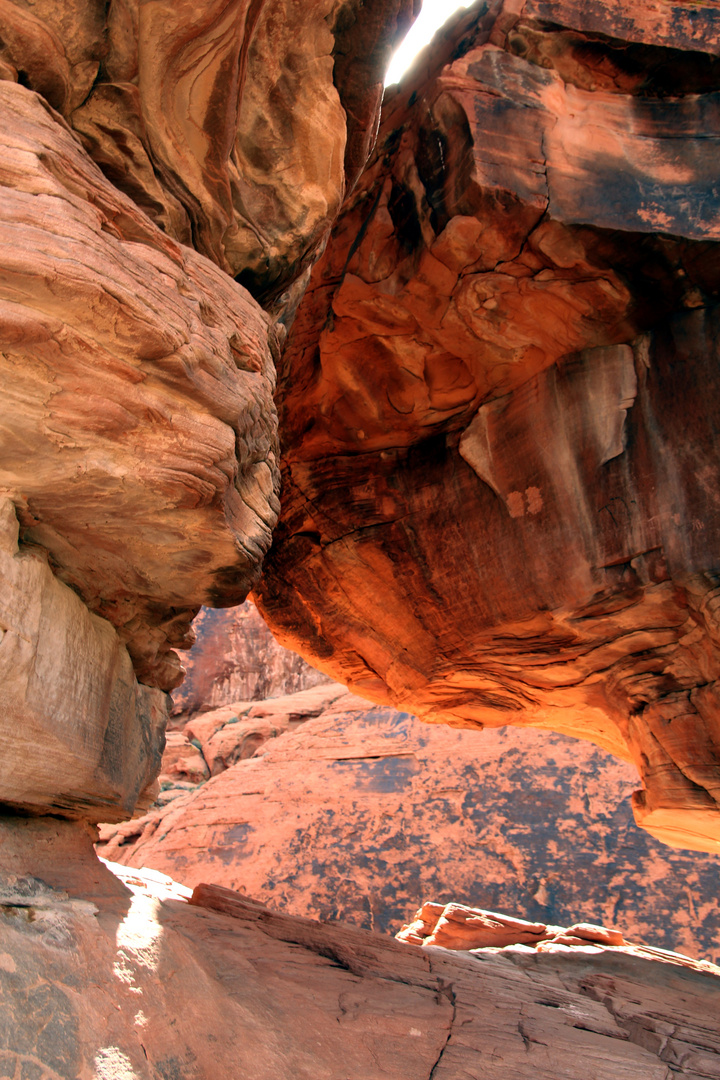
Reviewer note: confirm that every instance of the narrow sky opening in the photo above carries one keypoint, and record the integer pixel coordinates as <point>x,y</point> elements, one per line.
<point>433,15</point>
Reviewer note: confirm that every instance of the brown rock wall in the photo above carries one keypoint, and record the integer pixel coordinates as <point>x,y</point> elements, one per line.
<point>236,658</point>
<point>228,124</point>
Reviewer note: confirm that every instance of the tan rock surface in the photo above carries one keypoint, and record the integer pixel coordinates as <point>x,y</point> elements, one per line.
<point>498,398</point>
<point>361,811</point>
<point>211,742</point>
<point>80,736</point>
<point>139,436</point>
<point>140,982</point>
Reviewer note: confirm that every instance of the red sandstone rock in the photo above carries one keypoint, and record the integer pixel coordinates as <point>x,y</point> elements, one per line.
<point>212,742</point>
<point>361,810</point>
<point>498,398</point>
<point>235,658</point>
<point>139,437</point>
<point>104,976</point>
<point>231,126</point>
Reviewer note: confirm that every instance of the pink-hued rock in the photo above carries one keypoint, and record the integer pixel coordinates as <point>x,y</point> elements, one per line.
<point>235,658</point>
<point>109,975</point>
<point>211,742</point>
<point>361,810</point>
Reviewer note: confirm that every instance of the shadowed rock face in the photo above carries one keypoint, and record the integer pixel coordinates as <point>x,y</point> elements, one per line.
<point>106,975</point>
<point>230,124</point>
<point>236,658</point>
<point>498,398</point>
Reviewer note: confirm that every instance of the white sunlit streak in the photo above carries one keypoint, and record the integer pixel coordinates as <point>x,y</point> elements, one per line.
<point>433,15</point>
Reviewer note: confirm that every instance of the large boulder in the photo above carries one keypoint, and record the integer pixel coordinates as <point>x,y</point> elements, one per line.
<point>499,399</point>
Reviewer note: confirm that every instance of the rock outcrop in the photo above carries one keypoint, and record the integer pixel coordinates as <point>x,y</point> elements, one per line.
<point>139,440</point>
<point>235,658</point>
<point>498,398</point>
<point>106,977</point>
<point>80,735</point>
<point>357,811</point>
<point>497,417</point>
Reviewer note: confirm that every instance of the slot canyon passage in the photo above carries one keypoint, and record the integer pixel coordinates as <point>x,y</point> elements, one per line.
<point>433,376</point>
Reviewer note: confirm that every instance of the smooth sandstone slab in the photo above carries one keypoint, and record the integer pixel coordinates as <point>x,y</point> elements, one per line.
<point>139,980</point>
<point>80,736</point>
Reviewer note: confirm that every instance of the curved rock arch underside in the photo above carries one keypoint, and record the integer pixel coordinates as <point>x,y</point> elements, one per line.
<point>437,384</point>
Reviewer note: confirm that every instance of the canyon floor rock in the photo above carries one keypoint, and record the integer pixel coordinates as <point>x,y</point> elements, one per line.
<point>359,812</point>
<point>109,976</point>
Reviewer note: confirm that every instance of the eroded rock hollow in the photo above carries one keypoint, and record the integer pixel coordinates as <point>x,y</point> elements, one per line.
<point>473,347</point>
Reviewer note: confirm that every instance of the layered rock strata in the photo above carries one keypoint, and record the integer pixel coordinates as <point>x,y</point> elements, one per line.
<point>140,982</point>
<point>324,806</point>
<point>139,438</point>
<point>498,398</point>
<point>152,154</point>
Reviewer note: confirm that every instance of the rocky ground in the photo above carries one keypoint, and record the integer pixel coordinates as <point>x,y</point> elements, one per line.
<point>116,976</point>
<point>323,805</point>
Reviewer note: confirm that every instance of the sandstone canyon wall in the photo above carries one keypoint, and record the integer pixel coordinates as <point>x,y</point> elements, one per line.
<point>495,338</point>
<point>323,806</point>
<point>236,658</point>
<point>500,465</point>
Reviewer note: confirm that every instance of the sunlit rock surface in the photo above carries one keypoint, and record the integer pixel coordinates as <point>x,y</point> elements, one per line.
<point>325,806</point>
<point>498,400</point>
<point>137,981</point>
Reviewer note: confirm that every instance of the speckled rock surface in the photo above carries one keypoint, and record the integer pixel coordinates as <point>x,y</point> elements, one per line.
<point>362,812</point>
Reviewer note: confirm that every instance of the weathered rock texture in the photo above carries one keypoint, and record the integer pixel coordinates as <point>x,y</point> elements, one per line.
<point>211,742</point>
<point>498,401</point>
<point>223,987</point>
<point>80,736</point>
<point>139,439</point>
<point>139,435</point>
<point>360,812</point>
<point>236,658</point>
<point>232,125</point>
